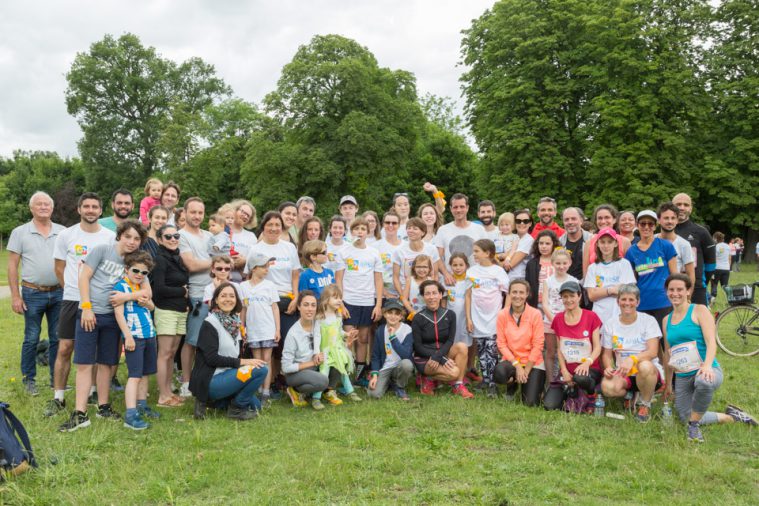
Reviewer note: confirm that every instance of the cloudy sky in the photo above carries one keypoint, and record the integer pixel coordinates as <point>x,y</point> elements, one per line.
<point>247,41</point>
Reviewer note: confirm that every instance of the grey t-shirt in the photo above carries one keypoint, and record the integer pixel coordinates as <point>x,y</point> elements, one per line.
<point>108,268</point>
<point>198,246</point>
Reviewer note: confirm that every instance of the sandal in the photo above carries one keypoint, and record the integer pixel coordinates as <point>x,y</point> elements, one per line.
<point>172,402</point>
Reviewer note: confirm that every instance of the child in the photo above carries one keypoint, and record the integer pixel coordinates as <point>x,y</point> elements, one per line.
<point>220,243</point>
<point>153,191</point>
<point>260,315</point>
<point>507,240</point>
<point>606,275</point>
<point>561,260</point>
<point>456,301</point>
<point>334,343</point>
<point>407,252</point>
<point>227,212</point>
<point>316,277</point>
<point>421,270</point>
<point>359,277</point>
<point>139,340</point>
<point>335,242</point>
<point>221,270</point>
<point>539,269</point>
<point>484,299</point>
<point>391,354</point>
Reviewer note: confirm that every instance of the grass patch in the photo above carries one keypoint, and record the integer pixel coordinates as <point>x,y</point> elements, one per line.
<point>439,450</point>
<point>3,267</point>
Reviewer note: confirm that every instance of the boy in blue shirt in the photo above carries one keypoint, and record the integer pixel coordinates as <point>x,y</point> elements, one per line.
<point>316,277</point>
<point>138,330</point>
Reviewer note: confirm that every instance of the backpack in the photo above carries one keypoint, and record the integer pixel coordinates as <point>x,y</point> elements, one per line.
<point>582,403</point>
<point>16,456</point>
<point>42,353</point>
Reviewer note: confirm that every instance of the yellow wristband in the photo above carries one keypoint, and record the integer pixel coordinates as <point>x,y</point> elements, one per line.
<point>438,195</point>
<point>634,359</point>
<point>86,305</point>
<point>515,363</point>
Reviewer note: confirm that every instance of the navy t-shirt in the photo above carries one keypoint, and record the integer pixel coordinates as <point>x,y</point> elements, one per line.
<point>651,268</point>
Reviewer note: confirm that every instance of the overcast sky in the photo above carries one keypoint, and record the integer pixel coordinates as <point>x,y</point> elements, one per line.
<point>247,41</point>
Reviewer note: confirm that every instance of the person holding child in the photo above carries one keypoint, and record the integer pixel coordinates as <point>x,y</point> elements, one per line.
<point>391,365</point>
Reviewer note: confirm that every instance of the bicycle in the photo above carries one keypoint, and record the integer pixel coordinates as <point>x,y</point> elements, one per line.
<point>738,325</point>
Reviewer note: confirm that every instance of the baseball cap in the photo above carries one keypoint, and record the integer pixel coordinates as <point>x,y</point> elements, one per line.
<point>647,213</point>
<point>608,231</point>
<point>259,260</point>
<point>570,286</point>
<point>348,199</point>
<point>393,304</point>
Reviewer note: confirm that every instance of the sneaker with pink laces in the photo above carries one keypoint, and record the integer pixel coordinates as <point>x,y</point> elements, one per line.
<point>461,389</point>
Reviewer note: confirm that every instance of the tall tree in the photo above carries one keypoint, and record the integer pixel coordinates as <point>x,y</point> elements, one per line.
<point>119,92</point>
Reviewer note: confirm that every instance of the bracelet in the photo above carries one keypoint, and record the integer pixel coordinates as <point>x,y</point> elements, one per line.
<point>515,363</point>
<point>86,305</point>
<point>438,195</point>
<point>375,373</point>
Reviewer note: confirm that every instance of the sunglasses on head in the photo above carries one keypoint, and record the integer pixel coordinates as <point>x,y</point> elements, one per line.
<point>168,237</point>
<point>523,222</point>
<point>222,269</point>
<point>138,271</point>
<point>396,195</point>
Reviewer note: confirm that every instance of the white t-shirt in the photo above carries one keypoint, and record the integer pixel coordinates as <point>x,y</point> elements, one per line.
<point>625,340</point>
<point>402,234</point>
<point>554,303</point>
<point>332,253</point>
<point>210,288</point>
<point>487,285</point>
<point>386,250</point>
<point>359,265</point>
<point>286,261</point>
<point>243,241</point>
<point>684,253</point>
<point>492,234</point>
<point>404,256</point>
<point>392,359</point>
<point>523,246</point>
<point>722,251</point>
<point>259,318</point>
<point>453,239</point>
<point>457,304</point>
<point>504,243</point>
<point>72,245</point>
<point>601,275</point>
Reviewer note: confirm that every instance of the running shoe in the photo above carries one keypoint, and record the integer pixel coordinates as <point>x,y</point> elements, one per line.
<point>355,397</point>
<point>31,388</point>
<point>317,404</point>
<point>331,397</point>
<point>296,398</point>
<point>473,376</point>
<point>184,390</point>
<point>135,422</point>
<point>54,406</point>
<point>694,432</point>
<point>492,391</point>
<point>644,414</point>
<point>739,415</point>
<point>107,412</point>
<point>428,386</point>
<point>401,394</point>
<point>78,420</point>
<point>462,390</point>
<point>148,412</point>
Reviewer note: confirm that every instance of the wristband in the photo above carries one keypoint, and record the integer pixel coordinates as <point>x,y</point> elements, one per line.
<point>438,195</point>
<point>515,363</point>
<point>86,305</point>
<point>375,373</point>
<point>634,359</point>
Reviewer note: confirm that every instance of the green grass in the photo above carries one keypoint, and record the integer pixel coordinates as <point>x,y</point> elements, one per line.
<point>3,267</point>
<point>440,450</point>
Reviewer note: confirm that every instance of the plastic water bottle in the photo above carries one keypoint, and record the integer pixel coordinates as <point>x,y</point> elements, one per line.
<point>666,413</point>
<point>600,405</point>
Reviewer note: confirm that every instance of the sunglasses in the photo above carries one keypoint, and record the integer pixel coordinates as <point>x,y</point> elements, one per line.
<point>523,222</point>
<point>396,195</point>
<point>168,237</point>
<point>646,224</point>
<point>322,252</point>
<point>393,223</point>
<point>222,269</point>
<point>138,271</point>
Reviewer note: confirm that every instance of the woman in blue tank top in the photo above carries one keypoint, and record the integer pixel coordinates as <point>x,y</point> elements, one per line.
<point>691,347</point>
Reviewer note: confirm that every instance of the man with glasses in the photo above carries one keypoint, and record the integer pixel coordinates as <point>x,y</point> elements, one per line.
<point>386,247</point>
<point>31,246</point>
<point>71,248</point>
<point>458,236</point>
<point>546,215</point>
<point>194,253</point>
<point>701,242</point>
<point>122,204</point>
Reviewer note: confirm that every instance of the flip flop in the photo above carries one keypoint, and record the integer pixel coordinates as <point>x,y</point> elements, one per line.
<point>171,403</point>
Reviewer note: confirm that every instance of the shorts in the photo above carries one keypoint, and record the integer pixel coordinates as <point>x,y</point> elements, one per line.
<point>361,316</point>
<point>100,346</point>
<point>257,345</point>
<point>142,361</point>
<point>195,318</point>
<point>67,319</point>
<point>632,382</point>
<point>170,323</point>
<point>421,363</point>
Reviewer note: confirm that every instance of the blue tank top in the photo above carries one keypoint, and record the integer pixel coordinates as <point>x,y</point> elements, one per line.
<point>684,332</point>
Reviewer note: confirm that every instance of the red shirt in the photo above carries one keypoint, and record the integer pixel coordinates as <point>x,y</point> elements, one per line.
<point>576,341</point>
<point>553,226</point>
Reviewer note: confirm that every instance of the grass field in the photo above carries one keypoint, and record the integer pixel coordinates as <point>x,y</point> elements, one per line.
<point>439,450</point>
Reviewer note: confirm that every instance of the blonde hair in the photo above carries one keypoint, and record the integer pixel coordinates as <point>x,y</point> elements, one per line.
<point>558,252</point>
<point>312,248</point>
<point>328,292</point>
<point>150,182</point>
<point>507,218</point>
<point>226,208</point>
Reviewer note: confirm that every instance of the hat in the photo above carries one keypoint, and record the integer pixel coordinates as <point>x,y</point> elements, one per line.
<point>393,304</point>
<point>647,213</point>
<point>607,231</point>
<point>570,286</point>
<point>259,260</point>
<point>350,199</point>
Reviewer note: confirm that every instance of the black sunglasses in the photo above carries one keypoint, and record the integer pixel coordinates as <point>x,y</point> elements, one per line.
<point>222,269</point>
<point>171,236</point>
<point>138,271</point>
<point>394,223</point>
<point>523,222</point>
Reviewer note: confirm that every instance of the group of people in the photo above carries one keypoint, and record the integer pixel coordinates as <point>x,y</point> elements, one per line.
<point>366,302</point>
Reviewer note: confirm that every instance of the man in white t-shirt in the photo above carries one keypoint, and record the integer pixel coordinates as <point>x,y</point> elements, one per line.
<point>71,248</point>
<point>686,262</point>
<point>457,236</point>
<point>487,216</point>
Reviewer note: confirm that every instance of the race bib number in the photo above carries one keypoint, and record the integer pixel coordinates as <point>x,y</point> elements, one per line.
<point>575,351</point>
<point>684,357</point>
<point>620,355</point>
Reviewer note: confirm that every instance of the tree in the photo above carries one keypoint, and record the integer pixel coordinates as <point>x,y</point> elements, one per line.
<point>120,92</point>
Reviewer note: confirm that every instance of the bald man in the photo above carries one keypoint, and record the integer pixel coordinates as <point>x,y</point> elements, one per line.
<point>701,242</point>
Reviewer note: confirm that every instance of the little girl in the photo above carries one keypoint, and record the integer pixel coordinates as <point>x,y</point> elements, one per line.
<point>561,260</point>
<point>153,190</point>
<point>335,242</point>
<point>456,301</point>
<point>507,240</point>
<point>221,269</point>
<point>331,341</point>
<point>539,269</point>
<point>484,299</point>
<point>260,315</point>
<point>606,274</point>
<point>421,270</point>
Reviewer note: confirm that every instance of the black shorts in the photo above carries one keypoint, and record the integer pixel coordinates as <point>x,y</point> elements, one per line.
<point>67,319</point>
<point>420,363</point>
<point>632,382</point>
<point>360,316</point>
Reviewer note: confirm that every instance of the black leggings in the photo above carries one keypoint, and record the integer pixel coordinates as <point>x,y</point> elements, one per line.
<point>531,390</point>
<point>719,276</point>
<point>556,394</point>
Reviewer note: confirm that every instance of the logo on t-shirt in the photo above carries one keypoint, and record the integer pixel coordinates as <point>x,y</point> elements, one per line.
<point>461,244</point>
<point>649,266</point>
<point>80,250</point>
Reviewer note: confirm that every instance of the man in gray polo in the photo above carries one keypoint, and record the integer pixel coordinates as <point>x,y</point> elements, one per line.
<point>31,245</point>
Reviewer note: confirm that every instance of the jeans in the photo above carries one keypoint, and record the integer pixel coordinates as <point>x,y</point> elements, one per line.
<point>226,385</point>
<point>39,304</point>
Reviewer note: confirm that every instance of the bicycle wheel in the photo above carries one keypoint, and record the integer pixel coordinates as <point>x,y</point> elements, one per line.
<point>738,331</point>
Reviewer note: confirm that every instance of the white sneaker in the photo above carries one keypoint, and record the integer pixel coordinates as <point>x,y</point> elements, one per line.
<point>184,390</point>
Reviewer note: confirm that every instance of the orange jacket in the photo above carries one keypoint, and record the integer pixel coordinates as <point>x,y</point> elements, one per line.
<point>523,342</point>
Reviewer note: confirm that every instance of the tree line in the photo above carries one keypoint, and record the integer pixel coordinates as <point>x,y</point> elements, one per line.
<point>590,101</point>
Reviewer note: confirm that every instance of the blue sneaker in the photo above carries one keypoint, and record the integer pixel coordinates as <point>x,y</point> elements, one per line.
<point>135,423</point>
<point>275,394</point>
<point>148,412</point>
<point>362,382</point>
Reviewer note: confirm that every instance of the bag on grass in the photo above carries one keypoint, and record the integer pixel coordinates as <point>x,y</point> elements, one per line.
<point>16,455</point>
<point>42,352</point>
<point>582,403</point>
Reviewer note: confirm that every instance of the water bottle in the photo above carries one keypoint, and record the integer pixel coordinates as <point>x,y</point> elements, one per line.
<point>666,413</point>
<point>600,405</point>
